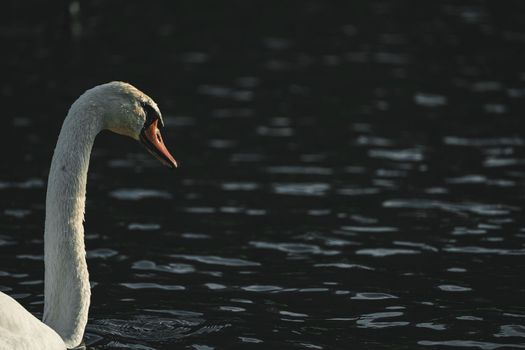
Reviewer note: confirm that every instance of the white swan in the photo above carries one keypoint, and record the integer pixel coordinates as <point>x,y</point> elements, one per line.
<point>115,106</point>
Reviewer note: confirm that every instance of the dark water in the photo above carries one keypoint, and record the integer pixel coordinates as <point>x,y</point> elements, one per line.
<point>352,174</point>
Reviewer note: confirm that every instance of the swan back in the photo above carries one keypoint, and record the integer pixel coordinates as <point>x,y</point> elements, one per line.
<point>20,330</point>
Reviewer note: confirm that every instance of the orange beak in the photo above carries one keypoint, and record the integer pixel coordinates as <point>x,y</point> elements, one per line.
<point>152,140</point>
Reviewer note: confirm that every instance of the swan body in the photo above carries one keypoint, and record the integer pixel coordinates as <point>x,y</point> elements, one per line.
<point>115,106</point>
<point>19,330</point>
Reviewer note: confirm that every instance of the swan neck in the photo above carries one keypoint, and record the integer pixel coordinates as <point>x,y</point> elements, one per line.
<point>67,289</point>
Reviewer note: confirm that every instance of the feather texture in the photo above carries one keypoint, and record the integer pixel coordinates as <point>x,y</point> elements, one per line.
<point>115,106</point>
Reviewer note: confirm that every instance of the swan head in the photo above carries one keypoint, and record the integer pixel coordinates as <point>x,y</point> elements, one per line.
<point>130,112</point>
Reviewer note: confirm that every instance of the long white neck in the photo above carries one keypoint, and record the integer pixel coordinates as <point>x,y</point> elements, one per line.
<point>67,288</point>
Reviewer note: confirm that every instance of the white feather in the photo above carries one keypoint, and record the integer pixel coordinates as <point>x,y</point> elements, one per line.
<point>115,106</point>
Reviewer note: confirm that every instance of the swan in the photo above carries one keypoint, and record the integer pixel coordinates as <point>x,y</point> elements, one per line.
<point>115,106</point>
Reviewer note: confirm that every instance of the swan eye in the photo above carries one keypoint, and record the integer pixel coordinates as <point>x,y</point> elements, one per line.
<point>151,115</point>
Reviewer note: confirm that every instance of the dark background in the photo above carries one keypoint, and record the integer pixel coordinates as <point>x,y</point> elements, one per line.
<point>326,61</point>
<point>368,155</point>
<point>53,51</point>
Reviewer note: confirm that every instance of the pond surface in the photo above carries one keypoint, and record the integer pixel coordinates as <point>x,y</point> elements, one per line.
<point>351,175</point>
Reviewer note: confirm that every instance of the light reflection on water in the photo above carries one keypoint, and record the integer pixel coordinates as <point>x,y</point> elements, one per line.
<point>344,190</point>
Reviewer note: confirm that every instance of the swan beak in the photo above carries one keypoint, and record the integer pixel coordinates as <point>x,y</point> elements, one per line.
<point>152,140</point>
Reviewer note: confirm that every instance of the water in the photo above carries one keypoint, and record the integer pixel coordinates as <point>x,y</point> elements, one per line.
<point>350,175</point>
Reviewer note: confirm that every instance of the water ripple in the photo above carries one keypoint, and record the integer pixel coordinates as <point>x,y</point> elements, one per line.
<point>101,253</point>
<point>453,288</point>
<point>370,320</point>
<point>6,241</point>
<point>239,186</point>
<point>171,268</point>
<point>470,344</point>
<point>483,250</point>
<point>382,252</point>
<point>217,260</point>
<point>483,142</point>
<point>138,194</point>
<point>429,100</point>
<point>153,329</point>
<point>401,155</point>
<point>431,325</point>
<point>292,314</point>
<point>17,213</point>
<point>472,207</point>
<point>301,189</point>
<point>27,184</point>
<point>261,288</point>
<point>134,226</point>
<point>369,229</point>
<point>511,330</point>
<point>250,340</point>
<point>305,216</point>
<point>294,248</point>
<point>345,266</point>
<point>373,296</point>
<point>299,170</point>
<point>144,285</point>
